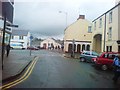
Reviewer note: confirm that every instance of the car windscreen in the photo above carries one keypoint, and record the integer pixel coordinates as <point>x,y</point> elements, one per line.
<point>95,54</point>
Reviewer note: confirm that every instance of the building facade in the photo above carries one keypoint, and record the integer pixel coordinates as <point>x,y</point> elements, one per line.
<point>106,31</point>
<point>78,35</point>
<point>20,39</point>
<point>6,10</point>
<point>50,43</point>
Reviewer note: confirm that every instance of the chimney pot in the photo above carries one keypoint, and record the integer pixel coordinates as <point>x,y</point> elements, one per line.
<point>81,17</point>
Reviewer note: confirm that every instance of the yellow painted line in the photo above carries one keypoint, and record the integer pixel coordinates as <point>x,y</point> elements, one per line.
<point>21,77</point>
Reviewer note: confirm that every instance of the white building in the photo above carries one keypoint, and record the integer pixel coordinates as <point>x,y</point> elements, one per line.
<point>20,39</point>
<point>49,43</point>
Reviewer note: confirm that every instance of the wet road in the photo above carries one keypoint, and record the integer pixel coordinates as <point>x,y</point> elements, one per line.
<point>52,70</point>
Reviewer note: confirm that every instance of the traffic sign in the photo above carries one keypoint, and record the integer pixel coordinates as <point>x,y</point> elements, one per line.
<point>31,37</point>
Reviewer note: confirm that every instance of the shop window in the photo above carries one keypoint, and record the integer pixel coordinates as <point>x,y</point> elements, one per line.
<point>78,48</point>
<point>70,48</point>
<point>88,47</point>
<point>83,47</point>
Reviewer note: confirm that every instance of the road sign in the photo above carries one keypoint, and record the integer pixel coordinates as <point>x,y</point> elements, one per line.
<point>12,25</point>
<point>31,37</point>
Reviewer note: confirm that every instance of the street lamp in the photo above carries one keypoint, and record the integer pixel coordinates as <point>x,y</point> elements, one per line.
<point>66,16</point>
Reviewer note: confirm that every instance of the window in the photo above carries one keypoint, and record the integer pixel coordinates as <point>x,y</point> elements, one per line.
<point>94,54</point>
<point>70,48</point>
<point>88,47</point>
<point>83,47</point>
<point>111,56</point>
<point>109,48</point>
<point>89,29</point>
<point>110,33</point>
<point>87,53</point>
<point>94,25</point>
<point>100,23</point>
<point>118,48</point>
<point>105,55</point>
<point>21,37</point>
<point>12,37</point>
<point>110,17</point>
<point>78,48</point>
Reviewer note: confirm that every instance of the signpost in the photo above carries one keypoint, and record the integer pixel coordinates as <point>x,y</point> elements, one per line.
<point>3,40</point>
<point>73,48</point>
<point>31,37</point>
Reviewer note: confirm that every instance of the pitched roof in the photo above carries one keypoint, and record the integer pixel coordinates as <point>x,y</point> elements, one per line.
<point>20,32</point>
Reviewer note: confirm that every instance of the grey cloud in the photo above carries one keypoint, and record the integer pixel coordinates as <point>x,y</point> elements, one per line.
<point>44,19</point>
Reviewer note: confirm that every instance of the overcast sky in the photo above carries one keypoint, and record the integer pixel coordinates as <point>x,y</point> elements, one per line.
<point>43,19</point>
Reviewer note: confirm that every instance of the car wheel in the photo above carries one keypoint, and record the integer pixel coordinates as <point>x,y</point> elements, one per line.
<point>82,59</point>
<point>104,67</point>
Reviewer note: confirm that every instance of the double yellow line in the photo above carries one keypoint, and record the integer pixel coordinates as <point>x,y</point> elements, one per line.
<point>21,79</point>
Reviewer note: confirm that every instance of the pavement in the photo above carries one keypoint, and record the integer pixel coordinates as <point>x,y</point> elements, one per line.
<point>14,65</point>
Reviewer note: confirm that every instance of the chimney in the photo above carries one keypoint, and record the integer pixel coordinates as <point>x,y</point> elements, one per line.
<point>81,17</point>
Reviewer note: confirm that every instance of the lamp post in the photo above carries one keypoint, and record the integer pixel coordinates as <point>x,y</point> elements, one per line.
<point>66,16</point>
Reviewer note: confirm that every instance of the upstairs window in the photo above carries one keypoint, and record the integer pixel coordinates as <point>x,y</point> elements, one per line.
<point>89,29</point>
<point>94,25</point>
<point>110,33</point>
<point>100,23</point>
<point>110,17</point>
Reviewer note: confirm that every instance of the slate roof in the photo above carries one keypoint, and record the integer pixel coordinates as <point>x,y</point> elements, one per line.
<point>20,32</point>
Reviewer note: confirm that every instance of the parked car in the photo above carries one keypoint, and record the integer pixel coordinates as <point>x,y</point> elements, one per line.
<point>86,56</point>
<point>32,48</point>
<point>105,60</point>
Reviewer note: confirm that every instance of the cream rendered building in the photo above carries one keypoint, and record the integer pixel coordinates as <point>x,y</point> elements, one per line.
<point>106,31</point>
<point>49,43</point>
<point>79,35</point>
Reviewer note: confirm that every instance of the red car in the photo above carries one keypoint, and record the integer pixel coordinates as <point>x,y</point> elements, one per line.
<point>32,48</point>
<point>105,60</point>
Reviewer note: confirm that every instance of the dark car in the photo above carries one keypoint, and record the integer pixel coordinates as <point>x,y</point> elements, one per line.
<point>86,56</point>
<point>32,48</point>
<point>105,60</point>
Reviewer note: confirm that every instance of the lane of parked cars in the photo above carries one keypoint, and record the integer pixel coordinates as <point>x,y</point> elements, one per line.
<point>103,60</point>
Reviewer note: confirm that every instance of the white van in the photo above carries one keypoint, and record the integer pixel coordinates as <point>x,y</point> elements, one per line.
<point>16,46</point>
